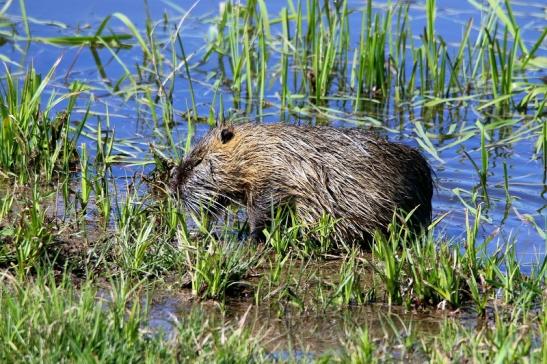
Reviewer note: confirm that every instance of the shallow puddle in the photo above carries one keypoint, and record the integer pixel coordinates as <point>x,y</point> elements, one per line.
<point>290,331</point>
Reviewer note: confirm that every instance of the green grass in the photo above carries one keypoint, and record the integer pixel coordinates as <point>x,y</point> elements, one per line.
<point>49,320</point>
<point>217,266</point>
<point>506,340</point>
<point>32,141</point>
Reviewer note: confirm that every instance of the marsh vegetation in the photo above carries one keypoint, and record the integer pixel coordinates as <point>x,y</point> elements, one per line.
<point>97,263</point>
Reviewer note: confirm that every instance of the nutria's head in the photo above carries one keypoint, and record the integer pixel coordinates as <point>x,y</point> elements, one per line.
<point>205,177</point>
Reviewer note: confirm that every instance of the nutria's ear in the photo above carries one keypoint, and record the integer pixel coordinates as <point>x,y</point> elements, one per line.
<point>226,135</point>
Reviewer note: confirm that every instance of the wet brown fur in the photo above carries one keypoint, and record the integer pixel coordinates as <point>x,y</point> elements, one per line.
<point>354,176</point>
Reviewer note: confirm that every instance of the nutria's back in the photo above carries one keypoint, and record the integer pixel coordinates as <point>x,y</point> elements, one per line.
<point>354,176</point>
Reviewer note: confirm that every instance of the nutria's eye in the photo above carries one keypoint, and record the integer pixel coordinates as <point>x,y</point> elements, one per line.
<point>226,135</point>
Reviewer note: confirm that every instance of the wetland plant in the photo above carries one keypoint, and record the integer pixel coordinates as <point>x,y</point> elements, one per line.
<point>142,246</point>
<point>84,324</point>
<point>359,348</point>
<point>217,265</point>
<point>350,290</point>
<point>32,234</point>
<point>32,142</point>
<point>505,340</point>
<point>422,270</point>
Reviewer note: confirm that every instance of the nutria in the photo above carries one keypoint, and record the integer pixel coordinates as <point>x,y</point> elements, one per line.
<point>354,176</point>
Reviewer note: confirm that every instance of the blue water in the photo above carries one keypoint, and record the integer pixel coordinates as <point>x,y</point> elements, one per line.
<point>132,120</point>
